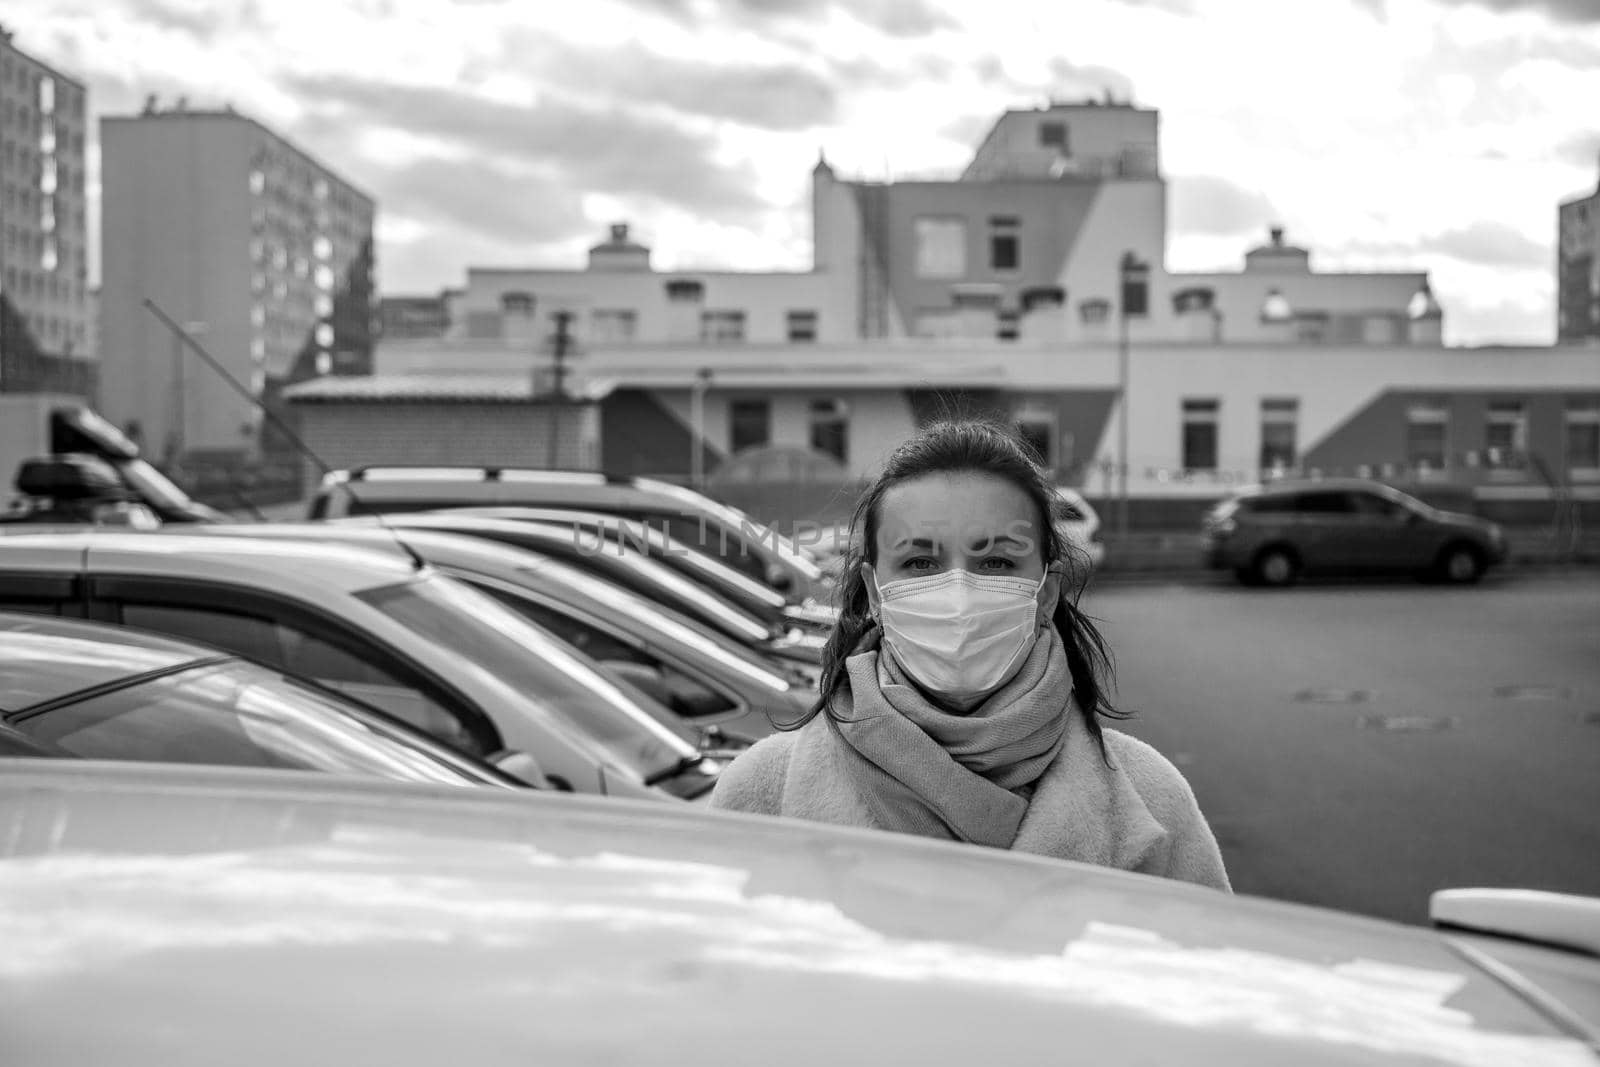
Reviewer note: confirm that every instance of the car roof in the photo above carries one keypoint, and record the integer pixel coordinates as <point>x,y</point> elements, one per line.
<point>45,658</point>
<point>1302,485</point>
<point>302,566</point>
<point>428,921</point>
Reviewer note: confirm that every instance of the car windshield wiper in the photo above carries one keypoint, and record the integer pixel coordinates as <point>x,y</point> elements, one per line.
<point>713,746</point>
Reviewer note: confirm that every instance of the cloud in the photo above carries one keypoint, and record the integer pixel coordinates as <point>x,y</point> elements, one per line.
<point>1211,206</point>
<point>1071,81</point>
<point>893,18</point>
<point>586,149</point>
<point>1489,243</point>
<point>769,97</point>
<point>483,199</point>
<point>1582,149</point>
<point>1560,10</point>
<point>201,19</point>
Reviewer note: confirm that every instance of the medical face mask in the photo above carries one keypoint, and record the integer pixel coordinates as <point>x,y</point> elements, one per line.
<point>960,635</point>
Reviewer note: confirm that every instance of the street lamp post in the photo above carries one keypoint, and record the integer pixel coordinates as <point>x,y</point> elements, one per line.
<point>1134,275</point>
<point>697,416</point>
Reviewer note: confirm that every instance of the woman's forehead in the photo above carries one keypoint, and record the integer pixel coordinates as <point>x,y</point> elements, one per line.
<point>970,502</point>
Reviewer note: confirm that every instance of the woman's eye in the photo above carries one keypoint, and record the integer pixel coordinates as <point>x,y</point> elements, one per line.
<point>920,563</point>
<point>999,563</point>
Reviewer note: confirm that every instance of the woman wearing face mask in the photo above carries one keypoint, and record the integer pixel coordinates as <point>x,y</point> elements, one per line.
<point>961,689</point>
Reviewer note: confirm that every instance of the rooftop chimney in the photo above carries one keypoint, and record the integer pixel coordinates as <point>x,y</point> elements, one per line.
<point>619,253</point>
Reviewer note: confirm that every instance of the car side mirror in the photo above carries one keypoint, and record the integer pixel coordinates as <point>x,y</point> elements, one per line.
<point>521,766</point>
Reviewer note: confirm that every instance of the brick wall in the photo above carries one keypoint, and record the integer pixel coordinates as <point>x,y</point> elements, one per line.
<point>350,434</point>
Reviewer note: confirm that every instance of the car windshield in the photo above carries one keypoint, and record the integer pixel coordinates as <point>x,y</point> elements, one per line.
<point>475,627</point>
<point>236,713</point>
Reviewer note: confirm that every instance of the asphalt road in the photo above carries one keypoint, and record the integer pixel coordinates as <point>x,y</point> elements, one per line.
<point>1358,746</point>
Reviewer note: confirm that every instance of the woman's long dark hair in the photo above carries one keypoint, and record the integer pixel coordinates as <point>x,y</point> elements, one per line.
<point>968,446</point>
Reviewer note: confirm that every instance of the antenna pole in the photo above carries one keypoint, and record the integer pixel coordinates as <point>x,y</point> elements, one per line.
<point>187,341</point>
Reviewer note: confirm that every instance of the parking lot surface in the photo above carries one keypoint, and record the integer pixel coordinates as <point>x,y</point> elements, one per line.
<point>1359,745</point>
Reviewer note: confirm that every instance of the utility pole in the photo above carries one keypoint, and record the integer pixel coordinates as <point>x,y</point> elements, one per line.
<point>1134,276</point>
<point>697,417</point>
<point>558,397</point>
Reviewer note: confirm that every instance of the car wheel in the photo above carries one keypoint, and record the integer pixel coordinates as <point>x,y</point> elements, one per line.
<point>1275,567</point>
<point>1460,564</point>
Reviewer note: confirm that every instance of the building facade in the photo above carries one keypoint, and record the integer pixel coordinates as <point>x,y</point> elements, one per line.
<point>1004,292</point>
<point>46,333</point>
<point>410,318</point>
<point>1025,245</point>
<point>261,252</point>
<point>1578,270</point>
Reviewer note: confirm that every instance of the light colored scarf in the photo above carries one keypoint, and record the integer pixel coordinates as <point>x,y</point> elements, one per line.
<point>922,770</point>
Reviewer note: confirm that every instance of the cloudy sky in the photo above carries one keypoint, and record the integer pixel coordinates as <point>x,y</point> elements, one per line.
<point>1401,134</point>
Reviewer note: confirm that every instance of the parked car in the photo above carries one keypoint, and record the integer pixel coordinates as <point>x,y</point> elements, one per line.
<point>1271,534</point>
<point>416,643</point>
<point>649,577</point>
<point>705,680</point>
<point>160,915</point>
<point>1079,523</point>
<point>613,534</point>
<point>109,692</point>
<point>693,518</point>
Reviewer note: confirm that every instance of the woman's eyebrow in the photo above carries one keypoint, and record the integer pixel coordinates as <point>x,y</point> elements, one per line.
<point>993,541</point>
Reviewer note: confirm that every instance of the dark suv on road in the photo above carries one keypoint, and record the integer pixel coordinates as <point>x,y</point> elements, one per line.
<point>1270,535</point>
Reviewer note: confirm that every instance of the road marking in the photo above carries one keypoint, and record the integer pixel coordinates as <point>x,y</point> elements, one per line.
<point>1333,696</point>
<point>1409,723</point>
<point>1532,692</point>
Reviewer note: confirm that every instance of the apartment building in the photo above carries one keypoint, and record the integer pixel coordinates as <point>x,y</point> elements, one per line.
<point>263,253</point>
<point>48,329</point>
<point>1578,269</point>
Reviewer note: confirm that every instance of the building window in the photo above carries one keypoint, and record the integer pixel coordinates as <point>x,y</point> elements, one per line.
<point>802,325</point>
<point>1054,135</point>
<point>1200,434</point>
<point>749,424</point>
<point>1427,422</point>
<point>941,247</point>
<point>830,428</point>
<point>1312,327</point>
<point>1279,417</point>
<point>610,325</point>
<point>1006,325</point>
<point>721,327</point>
<point>1005,244</point>
<point>685,289</point>
<point>1583,437</point>
<point>1095,312</point>
<point>1505,434</point>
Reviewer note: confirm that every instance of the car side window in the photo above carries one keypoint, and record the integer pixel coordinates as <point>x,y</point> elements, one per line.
<point>623,660</point>
<point>1325,503</point>
<point>297,651</point>
<point>40,594</point>
<point>1371,504</point>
